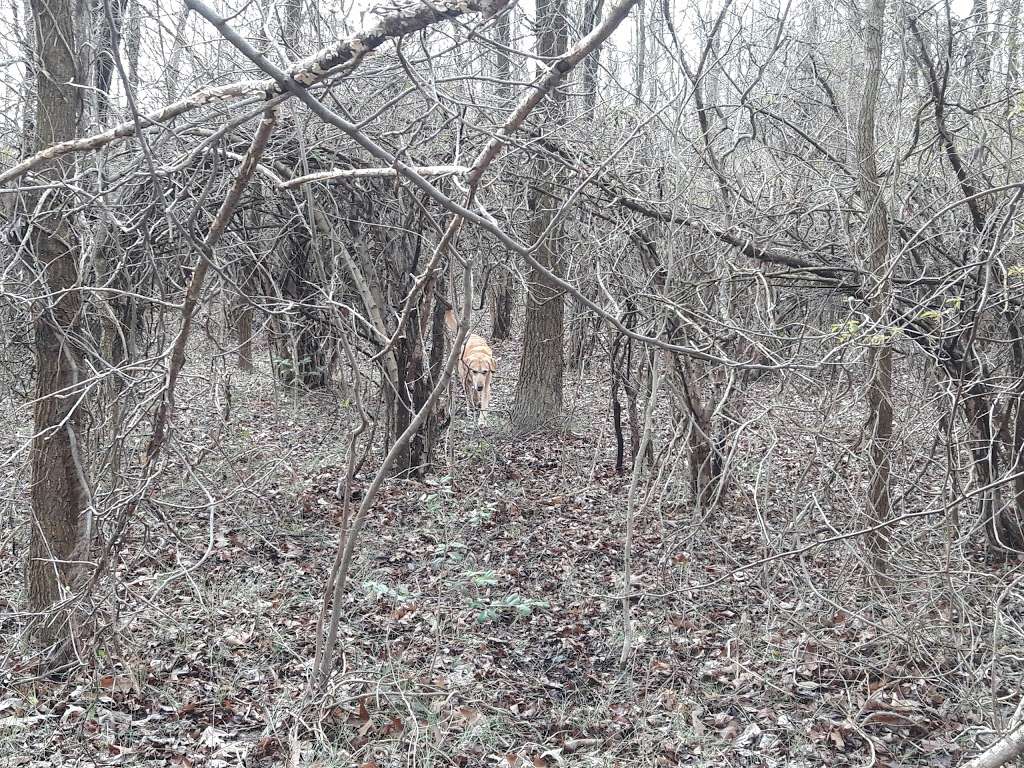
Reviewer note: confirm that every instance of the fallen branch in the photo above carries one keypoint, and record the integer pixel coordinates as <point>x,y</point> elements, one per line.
<point>156,118</point>
<point>372,173</point>
<point>1009,747</point>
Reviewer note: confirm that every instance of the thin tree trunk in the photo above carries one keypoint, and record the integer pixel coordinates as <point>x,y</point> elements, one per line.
<point>29,140</point>
<point>244,329</point>
<point>501,308</point>
<point>132,45</point>
<point>172,74</point>
<point>591,14</point>
<point>640,73</point>
<point>876,249</point>
<point>58,535</point>
<point>982,49</point>
<point>503,298</point>
<point>439,417</point>
<point>1013,46</point>
<point>109,32</point>
<point>291,24</point>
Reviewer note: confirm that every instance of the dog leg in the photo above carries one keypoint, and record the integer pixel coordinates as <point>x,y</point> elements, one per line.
<point>485,404</point>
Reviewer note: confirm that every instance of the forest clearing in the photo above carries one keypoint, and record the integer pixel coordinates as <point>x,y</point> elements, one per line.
<point>495,383</point>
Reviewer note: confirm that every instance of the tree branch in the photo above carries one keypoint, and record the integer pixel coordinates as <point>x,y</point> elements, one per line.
<point>340,58</point>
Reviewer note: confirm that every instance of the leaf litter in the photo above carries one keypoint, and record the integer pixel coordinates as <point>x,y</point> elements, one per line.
<point>484,624</point>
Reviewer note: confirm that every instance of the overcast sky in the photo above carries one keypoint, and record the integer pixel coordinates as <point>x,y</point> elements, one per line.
<point>160,18</point>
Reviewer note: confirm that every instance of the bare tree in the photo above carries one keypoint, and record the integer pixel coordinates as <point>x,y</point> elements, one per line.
<point>876,249</point>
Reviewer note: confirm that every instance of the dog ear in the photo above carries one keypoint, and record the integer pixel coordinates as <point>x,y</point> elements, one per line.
<point>494,365</point>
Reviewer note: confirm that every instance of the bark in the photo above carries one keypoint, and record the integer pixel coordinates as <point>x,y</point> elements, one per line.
<point>704,444</point>
<point>876,248</point>
<point>502,304</point>
<point>426,313</point>
<point>624,375</point>
<point>583,334</point>
<point>641,55</point>
<point>437,419</point>
<point>616,376</point>
<point>538,397</point>
<point>413,377</point>
<point>58,532</point>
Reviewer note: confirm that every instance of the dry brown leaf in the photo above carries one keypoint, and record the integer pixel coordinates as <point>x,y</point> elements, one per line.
<point>116,683</point>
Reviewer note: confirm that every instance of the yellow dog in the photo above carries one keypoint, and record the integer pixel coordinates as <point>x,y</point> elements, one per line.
<point>476,369</point>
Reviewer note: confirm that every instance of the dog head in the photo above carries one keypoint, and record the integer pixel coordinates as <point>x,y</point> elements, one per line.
<point>479,369</point>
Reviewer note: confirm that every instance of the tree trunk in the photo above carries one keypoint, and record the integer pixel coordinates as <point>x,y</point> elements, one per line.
<point>591,15</point>
<point>981,49</point>
<point>1002,519</point>
<point>538,398</point>
<point>579,325</point>
<point>57,531</point>
<point>304,354</point>
<point>1013,46</point>
<point>624,377</point>
<point>502,296</point>
<point>109,33</point>
<point>876,249</point>
<point>29,140</point>
<point>640,62</point>
<point>172,74</point>
<point>439,416</point>
<point>244,330</point>
<point>132,45</point>
<point>501,308</point>
<point>291,25</point>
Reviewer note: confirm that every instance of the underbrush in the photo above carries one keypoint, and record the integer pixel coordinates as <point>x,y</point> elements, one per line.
<point>485,619</point>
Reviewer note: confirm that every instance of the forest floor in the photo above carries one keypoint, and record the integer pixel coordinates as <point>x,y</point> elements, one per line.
<point>484,621</point>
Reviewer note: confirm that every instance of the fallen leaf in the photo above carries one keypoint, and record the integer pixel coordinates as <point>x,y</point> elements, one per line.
<point>116,683</point>
<point>211,738</point>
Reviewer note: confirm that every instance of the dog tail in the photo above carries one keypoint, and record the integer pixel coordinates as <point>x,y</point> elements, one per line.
<point>450,322</point>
